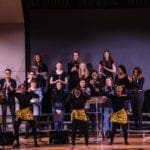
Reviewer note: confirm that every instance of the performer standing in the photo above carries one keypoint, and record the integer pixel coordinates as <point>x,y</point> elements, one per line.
<point>41,70</point>
<point>137,95</point>
<point>107,65</point>
<point>119,115</point>
<point>8,87</point>
<point>78,115</point>
<point>59,75</point>
<point>36,104</point>
<point>24,113</point>
<point>73,69</point>
<point>121,79</point>
<point>58,97</point>
<point>107,109</point>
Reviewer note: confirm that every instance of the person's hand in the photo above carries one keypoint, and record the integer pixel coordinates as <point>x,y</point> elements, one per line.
<point>33,101</point>
<point>73,69</point>
<point>58,111</point>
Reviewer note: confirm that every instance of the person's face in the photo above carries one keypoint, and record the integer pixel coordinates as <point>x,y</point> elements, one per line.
<point>58,85</point>
<point>33,85</point>
<point>37,58</point>
<point>75,56</point>
<point>82,83</point>
<point>59,66</point>
<point>22,89</point>
<point>120,71</point>
<point>7,74</point>
<point>77,93</point>
<point>31,75</point>
<point>106,55</point>
<point>135,73</point>
<point>108,82</point>
<point>94,75</point>
<point>118,91</point>
<point>82,65</point>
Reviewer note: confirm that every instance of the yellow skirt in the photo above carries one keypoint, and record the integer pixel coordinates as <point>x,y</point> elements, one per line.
<point>24,114</point>
<point>79,114</point>
<point>119,117</point>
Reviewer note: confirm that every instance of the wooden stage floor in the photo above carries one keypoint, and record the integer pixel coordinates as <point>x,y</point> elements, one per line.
<point>135,143</point>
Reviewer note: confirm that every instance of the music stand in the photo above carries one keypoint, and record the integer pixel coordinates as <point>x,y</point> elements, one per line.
<point>98,101</point>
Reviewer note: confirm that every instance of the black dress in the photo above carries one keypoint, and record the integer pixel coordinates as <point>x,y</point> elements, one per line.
<point>109,65</point>
<point>73,76</point>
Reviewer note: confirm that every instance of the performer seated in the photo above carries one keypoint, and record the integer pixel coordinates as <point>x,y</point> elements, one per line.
<point>119,115</point>
<point>24,113</point>
<point>78,115</point>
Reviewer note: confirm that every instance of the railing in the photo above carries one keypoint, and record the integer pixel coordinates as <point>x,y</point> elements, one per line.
<point>46,122</point>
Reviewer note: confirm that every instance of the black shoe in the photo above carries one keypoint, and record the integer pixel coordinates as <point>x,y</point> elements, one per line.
<point>126,143</point>
<point>36,145</point>
<point>26,137</point>
<point>110,143</point>
<point>107,134</point>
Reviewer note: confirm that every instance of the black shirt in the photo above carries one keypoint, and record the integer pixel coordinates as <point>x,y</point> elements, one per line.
<point>117,102</point>
<point>24,99</point>
<point>109,65</point>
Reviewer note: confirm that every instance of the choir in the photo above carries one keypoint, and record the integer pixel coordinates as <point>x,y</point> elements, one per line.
<point>60,92</point>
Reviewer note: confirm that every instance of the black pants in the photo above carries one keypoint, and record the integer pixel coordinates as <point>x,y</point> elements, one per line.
<point>4,113</point>
<point>124,129</point>
<point>16,129</point>
<point>83,127</point>
<point>27,125</point>
<point>137,99</point>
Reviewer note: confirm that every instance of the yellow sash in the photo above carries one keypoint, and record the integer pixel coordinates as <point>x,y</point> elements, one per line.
<point>119,117</point>
<point>79,115</point>
<point>24,114</point>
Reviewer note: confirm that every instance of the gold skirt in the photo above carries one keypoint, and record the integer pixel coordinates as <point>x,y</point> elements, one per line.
<point>119,117</point>
<point>24,114</point>
<point>79,114</point>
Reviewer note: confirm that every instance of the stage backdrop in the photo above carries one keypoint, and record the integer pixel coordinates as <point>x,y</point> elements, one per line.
<point>56,33</point>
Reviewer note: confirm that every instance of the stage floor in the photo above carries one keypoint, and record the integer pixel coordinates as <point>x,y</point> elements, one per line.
<point>135,143</point>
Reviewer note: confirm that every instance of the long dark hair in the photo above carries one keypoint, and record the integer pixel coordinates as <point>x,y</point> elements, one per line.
<point>110,58</point>
<point>79,59</point>
<point>34,63</point>
<point>139,73</point>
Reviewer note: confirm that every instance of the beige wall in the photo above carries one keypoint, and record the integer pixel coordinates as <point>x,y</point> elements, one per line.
<point>11,11</point>
<point>12,39</point>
